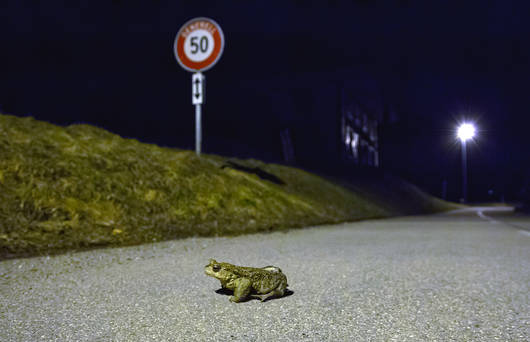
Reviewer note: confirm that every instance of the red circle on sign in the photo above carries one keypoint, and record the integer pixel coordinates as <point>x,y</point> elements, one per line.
<point>199,24</point>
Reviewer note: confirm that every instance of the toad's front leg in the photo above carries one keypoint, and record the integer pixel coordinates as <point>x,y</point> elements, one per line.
<point>241,289</point>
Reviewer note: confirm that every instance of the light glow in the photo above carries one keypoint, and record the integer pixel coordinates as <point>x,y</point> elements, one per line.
<point>466,131</point>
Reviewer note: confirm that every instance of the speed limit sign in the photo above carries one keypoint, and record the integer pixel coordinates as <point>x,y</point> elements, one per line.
<point>199,44</point>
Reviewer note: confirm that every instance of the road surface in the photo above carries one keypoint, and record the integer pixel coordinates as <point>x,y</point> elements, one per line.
<point>458,277</point>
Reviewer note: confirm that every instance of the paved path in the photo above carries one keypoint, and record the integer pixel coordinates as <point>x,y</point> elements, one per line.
<point>456,277</point>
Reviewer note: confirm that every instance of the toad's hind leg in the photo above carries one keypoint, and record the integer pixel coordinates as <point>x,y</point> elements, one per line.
<point>273,294</point>
<point>241,290</point>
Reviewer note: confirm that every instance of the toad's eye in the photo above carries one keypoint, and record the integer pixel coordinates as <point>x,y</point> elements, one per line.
<point>216,268</point>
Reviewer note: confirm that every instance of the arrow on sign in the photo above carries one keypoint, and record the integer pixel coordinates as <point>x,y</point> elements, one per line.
<point>197,88</point>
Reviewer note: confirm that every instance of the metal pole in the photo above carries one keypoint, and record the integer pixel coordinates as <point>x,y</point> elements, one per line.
<point>464,172</point>
<point>198,136</point>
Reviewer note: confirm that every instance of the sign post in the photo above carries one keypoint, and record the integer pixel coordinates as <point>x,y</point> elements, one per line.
<point>198,46</point>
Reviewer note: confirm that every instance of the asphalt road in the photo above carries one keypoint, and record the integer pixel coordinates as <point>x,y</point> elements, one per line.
<point>460,277</point>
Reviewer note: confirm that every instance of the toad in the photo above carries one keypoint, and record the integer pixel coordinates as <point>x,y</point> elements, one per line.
<point>262,283</point>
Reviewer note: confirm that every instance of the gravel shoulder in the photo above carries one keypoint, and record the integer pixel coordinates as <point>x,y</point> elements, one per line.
<point>408,279</point>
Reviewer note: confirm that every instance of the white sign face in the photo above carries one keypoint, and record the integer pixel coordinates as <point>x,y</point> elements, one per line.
<point>197,92</point>
<point>198,45</point>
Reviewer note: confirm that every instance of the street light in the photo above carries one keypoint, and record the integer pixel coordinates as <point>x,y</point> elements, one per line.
<point>466,131</point>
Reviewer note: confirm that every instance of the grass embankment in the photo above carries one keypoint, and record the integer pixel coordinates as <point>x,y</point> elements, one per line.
<point>394,195</point>
<point>81,186</point>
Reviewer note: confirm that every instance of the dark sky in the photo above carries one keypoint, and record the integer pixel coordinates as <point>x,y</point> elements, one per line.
<point>110,63</point>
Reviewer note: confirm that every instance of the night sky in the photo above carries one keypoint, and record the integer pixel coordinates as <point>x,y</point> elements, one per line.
<point>435,63</point>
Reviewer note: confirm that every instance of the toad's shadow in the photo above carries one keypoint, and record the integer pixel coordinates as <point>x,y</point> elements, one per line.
<point>227,292</point>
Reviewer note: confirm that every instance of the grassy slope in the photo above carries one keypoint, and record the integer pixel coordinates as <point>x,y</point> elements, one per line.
<point>394,195</point>
<point>81,186</point>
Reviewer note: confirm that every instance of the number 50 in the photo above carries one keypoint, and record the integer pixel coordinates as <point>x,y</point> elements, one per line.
<point>202,46</point>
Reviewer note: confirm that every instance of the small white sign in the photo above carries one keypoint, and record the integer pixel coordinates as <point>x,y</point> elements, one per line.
<point>197,88</point>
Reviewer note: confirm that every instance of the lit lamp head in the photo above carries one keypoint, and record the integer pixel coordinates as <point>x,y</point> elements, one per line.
<point>466,131</point>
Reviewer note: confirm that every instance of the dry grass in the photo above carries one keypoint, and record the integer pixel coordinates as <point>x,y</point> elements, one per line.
<point>81,186</point>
